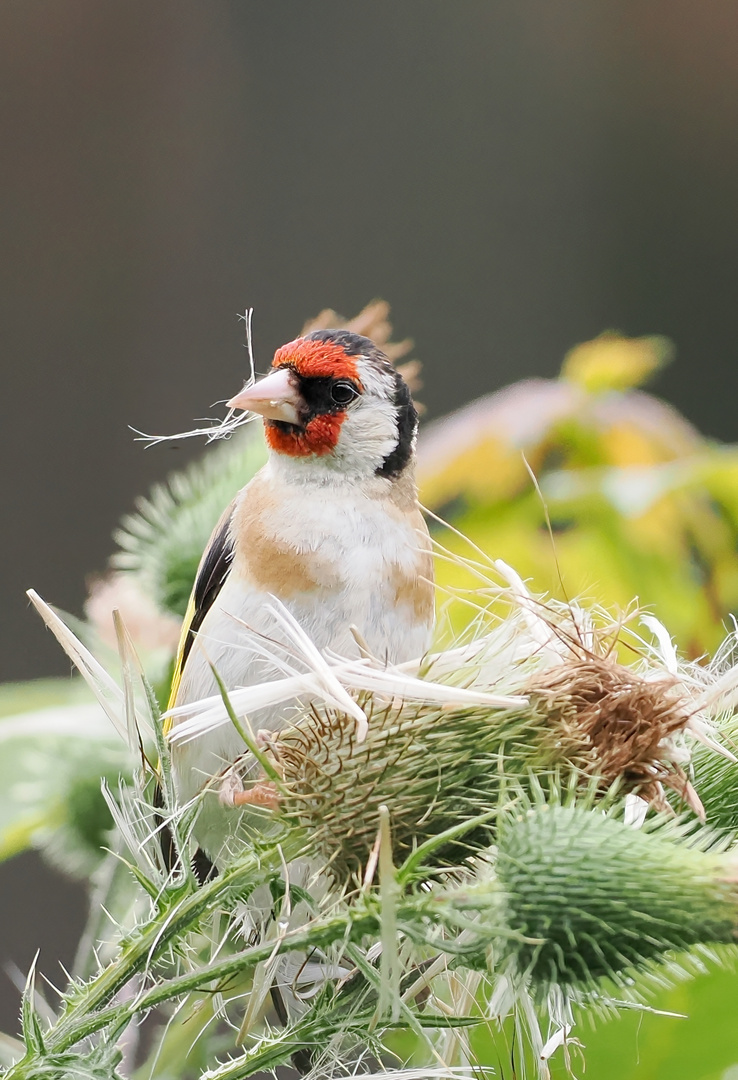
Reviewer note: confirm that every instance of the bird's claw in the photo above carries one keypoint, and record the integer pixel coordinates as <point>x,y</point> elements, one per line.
<point>264,794</point>
<point>230,787</point>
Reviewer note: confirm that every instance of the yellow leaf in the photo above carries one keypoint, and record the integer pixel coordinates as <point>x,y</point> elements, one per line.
<point>613,362</point>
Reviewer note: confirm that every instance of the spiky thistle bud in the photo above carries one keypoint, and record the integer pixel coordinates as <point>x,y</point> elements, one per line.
<point>716,779</point>
<point>585,896</point>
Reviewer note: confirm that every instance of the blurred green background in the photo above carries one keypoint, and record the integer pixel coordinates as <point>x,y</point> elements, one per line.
<point>515,177</point>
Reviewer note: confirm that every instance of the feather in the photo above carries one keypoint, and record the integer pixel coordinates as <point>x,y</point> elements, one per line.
<point>211,576</point>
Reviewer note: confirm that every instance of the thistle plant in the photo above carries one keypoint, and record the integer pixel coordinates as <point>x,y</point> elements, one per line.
<point>470,853</point>
<point>530,827</point>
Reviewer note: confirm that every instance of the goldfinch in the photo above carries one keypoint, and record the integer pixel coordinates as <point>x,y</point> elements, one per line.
<point>330,526</point>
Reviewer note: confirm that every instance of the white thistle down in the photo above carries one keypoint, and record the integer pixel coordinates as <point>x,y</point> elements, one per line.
<point>494,670</point>
<point>216,429</point>
<point>328,679</point>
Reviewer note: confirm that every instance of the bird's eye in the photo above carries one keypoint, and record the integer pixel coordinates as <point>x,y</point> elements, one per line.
<point>343,392</point>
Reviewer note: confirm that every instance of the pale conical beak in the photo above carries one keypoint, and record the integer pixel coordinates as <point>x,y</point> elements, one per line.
<point>275,397</point>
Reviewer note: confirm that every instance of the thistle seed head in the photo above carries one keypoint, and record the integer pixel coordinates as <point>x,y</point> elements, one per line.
<point>619,726</point>
<point>592,719</point>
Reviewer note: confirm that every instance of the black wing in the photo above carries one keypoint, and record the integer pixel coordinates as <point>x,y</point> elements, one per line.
<point>211,574</point>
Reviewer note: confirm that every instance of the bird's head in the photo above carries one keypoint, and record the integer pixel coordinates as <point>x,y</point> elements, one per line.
<point>333,398</point>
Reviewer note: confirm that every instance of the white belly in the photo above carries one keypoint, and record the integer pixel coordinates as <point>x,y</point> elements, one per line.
<point>364,548</point>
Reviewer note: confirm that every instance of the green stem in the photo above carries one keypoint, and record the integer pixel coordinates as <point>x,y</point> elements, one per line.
<point>315,1032</point>
<point>253,747</point>
<point>268,1055</point>
<point>318,934</point>
<point>90,1010</point>
<point>83,1015</point>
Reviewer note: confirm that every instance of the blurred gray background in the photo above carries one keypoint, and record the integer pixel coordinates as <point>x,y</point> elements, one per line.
<point>514,176</point>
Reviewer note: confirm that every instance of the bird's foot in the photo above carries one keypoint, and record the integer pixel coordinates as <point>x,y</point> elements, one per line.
<point>264,793</point>
<point>230,786</point>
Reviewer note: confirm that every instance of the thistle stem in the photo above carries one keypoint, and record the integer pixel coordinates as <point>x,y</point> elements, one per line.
<point>319,933</point>
<point>85,1012</point>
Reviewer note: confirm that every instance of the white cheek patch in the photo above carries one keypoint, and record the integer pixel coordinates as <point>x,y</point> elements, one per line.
<point>369,433</point>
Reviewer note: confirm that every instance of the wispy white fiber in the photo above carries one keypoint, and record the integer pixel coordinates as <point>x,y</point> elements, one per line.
<point>359,676</point>
<point>552,1044</point>
<point>216,429</point>
<point>244,701</point>
<point>666,645</point>
<point>210,713</point>
<point>635,811</point>
<point>539,629</point>
<point>331,689</point>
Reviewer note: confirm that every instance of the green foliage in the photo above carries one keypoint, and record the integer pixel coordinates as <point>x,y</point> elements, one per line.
<point>567,896</point>
<point>87,812</point>
<point>52,758</point>
<point>18,698</point>
<point>567,902</point>
<point>689,1035</point>
<point>639,502</point>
